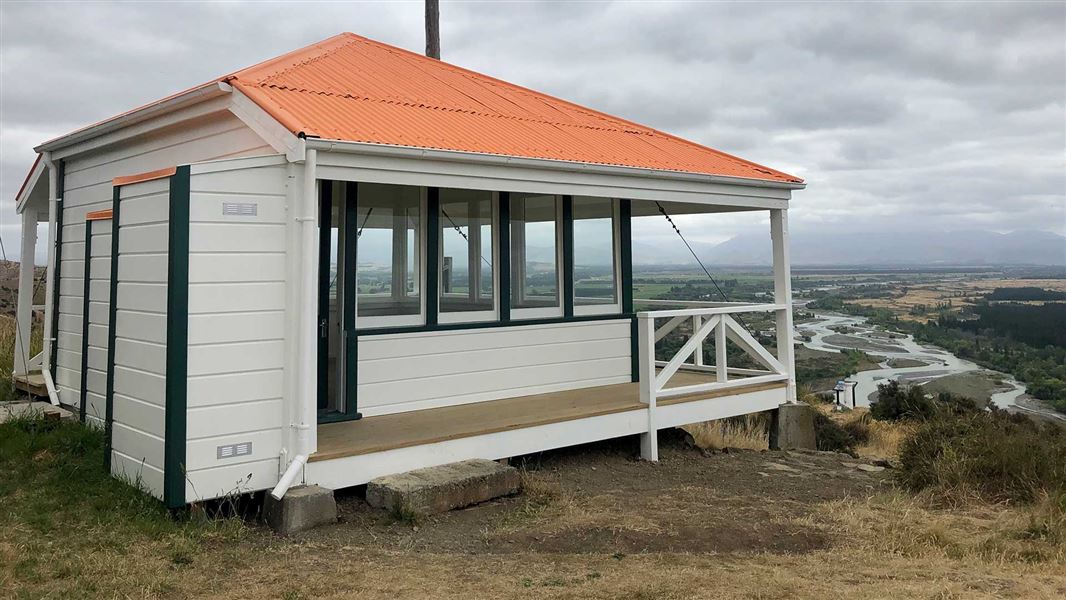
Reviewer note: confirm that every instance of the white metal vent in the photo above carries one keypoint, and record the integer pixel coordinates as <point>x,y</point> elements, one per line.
<point>233,450</point>
<point>240,209</point>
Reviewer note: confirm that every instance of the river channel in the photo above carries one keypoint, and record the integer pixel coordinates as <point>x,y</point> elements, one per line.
<point>861,335</point>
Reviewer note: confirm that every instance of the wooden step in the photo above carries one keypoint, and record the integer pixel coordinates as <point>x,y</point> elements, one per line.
<point>32,383</point>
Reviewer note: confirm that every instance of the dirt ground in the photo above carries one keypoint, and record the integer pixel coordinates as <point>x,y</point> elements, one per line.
<point>594,522</point>
<point>611,503</point>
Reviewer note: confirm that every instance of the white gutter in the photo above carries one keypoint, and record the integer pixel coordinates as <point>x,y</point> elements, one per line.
<point>212,89</point>
<point>50,282</point>
<point>479,158</point>
<point>307,329</point>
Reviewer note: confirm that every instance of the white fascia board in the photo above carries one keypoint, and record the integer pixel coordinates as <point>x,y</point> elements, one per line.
<point>265,126</point>
<point>378,163</point>
<point>32,182</point>
<point>140,121</point>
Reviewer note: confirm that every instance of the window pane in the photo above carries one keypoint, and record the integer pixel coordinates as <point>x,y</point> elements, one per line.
<point>389,250</point>
<point>595,279</point>
<point>466,258</point>
<point>534,254</point>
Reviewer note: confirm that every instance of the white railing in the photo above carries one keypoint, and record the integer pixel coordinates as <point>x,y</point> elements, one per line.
<point>707,318</point>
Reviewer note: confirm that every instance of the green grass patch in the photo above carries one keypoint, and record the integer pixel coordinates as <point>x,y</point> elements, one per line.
<point>70,529</point>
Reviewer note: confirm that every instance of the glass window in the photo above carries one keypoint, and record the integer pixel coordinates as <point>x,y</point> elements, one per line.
<point>595,271</point>
<point>466,276</point>
<point>535,253</point>
<point>389,254</point>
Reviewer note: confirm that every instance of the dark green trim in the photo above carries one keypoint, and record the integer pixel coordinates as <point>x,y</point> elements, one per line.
<point>176,415</point>
<point>351,345</point>
<point>53,353</point>
<point>432,255</point>
<point>336,416</point>
<point>109,394</point>
<point>325,225</point>
<point>505,258</point>
<point>85,319</point>
<point>568,256</point>
<point>625,242</point>
<point>634,350</point>
<point>491,324</point>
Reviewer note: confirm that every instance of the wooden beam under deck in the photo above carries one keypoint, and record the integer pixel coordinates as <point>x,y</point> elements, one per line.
<point>415,428</point>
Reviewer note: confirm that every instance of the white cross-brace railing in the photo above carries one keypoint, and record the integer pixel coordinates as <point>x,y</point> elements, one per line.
<point>710,319</point>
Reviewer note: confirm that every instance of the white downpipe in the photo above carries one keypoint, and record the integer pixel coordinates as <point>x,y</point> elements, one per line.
<point>50,282</point>
<point>289,477</point>
<point>307,330</point>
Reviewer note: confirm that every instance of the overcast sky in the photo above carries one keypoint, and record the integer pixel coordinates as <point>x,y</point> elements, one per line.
<point>919,115</point>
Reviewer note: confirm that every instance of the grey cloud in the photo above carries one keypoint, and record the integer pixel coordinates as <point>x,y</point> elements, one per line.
<point>936,116</point>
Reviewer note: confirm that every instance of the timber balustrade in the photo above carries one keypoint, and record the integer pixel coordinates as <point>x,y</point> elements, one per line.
<point>707,319</point>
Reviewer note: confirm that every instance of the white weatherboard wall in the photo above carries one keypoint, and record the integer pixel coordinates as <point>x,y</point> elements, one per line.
<point>99,305</point>
<point>237,260</point>
<point>87,187</point>
<point>414,371</point>
<point>139,399</point>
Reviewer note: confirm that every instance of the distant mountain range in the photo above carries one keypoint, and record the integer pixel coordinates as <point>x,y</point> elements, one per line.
<point>841,247</point>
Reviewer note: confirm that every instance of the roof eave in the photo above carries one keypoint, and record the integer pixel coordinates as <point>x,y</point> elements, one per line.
<point>29,184</point>
<point>171,103</point>
<point>541,163</point>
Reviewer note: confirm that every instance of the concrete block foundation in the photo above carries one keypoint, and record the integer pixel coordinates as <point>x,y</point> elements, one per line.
<point>792,428</point>
<point>439,489</point>
<point>302,508</point>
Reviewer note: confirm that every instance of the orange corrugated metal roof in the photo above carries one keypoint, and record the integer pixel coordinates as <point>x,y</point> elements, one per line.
<point>355,89</point>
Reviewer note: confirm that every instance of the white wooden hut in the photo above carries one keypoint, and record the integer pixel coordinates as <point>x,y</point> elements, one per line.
<point>353,260</point>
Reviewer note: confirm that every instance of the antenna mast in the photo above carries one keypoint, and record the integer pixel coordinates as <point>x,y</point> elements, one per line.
<point>432,29</point>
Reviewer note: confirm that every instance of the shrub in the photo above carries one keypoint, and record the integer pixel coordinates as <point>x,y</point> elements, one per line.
<point>994,455</point>
<point>830,436</point>
<point>858,430</point>
<point>896,402</point>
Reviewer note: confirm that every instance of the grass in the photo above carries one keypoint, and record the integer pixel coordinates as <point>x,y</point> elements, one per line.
<point>989,455</point>
<point>7,353</point>
<point>69,529</point>
<point>748,432</point>
<point>916,527</point>
<point>871,438</point>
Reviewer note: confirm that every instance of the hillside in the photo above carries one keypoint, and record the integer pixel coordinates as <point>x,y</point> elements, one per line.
<point>9,285</point>
<point>838,247</point>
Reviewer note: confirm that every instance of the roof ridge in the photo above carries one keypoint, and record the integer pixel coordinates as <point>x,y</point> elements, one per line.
<point>325,46</point>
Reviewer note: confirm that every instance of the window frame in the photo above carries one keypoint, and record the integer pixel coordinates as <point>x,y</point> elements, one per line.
<point>616,252</point>
<point>413,320</point>
<point>474,316</point>
<point>542,312</point>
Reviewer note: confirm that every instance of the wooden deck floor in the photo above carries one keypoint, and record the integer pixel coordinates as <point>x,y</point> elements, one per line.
<point>402,430</point>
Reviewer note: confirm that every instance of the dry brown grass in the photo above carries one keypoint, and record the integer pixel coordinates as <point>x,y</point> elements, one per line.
<point>7,351</point>
<point>884,437</point>
<point>748,432</point>
<point>917,527</point>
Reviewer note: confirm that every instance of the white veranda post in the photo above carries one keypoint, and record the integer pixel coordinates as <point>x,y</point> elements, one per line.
<point>24,312</point>
<point>783,296</point>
